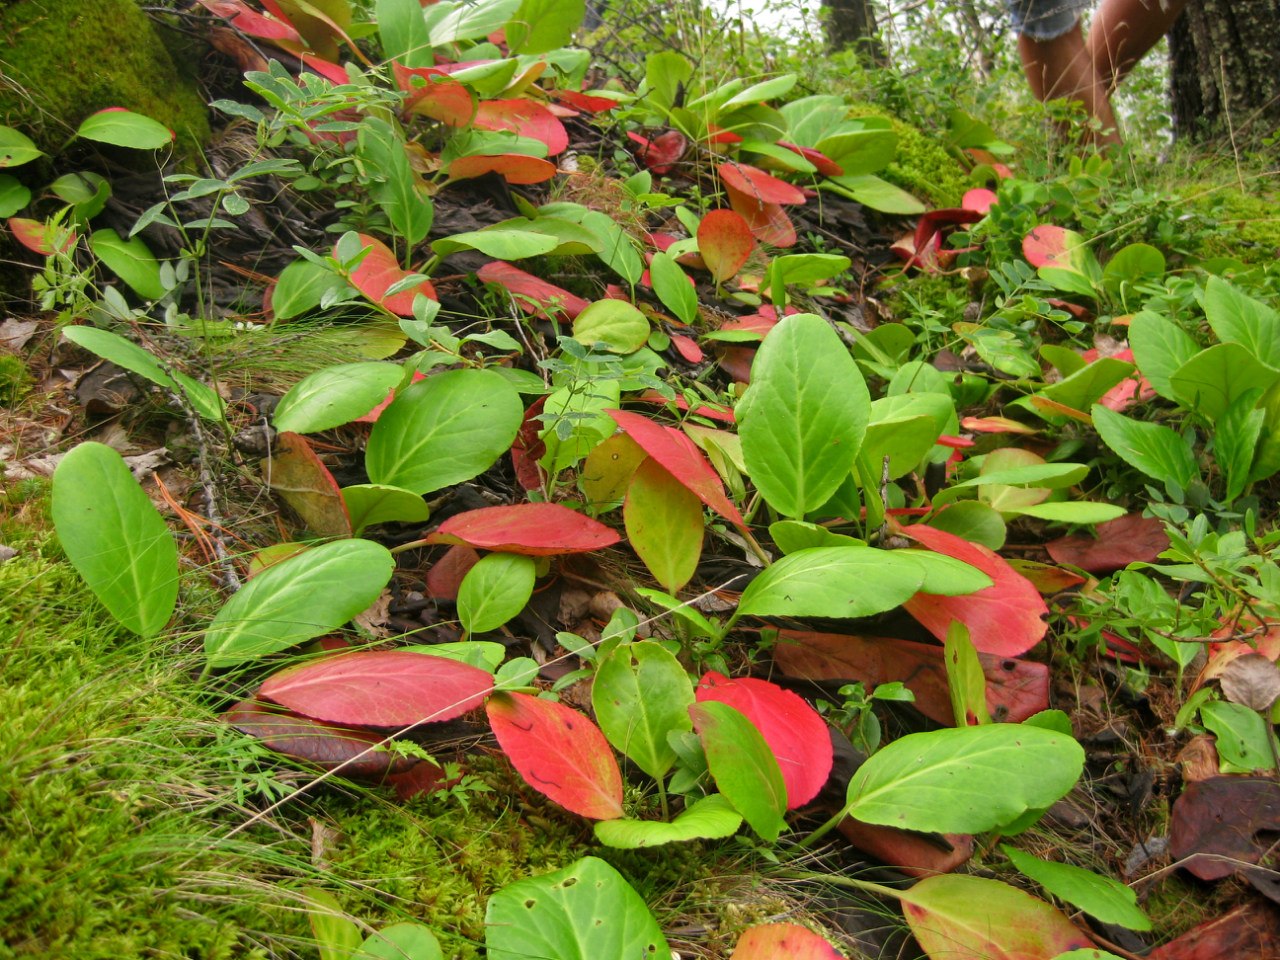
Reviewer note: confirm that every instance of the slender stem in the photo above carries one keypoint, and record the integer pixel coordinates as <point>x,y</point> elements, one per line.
<point>841,881</point>
<point>823,830</point>
<point>411,545</point>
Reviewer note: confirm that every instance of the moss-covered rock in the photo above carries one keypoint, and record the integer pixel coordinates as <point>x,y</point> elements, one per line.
<point>64,59</point>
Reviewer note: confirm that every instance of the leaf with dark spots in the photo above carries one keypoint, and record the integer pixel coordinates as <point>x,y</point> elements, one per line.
<point>327,746</point>
<point>559,752</point>
<point>295,472</point>
<point>1223,823</point>
<point>1129,539</point>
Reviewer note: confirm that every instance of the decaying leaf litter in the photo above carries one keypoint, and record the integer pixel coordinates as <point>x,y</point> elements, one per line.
<point>939,522</point>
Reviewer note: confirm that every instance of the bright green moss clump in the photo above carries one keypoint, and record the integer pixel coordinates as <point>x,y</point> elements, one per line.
<point>923,166</point>
<point>64,59</point>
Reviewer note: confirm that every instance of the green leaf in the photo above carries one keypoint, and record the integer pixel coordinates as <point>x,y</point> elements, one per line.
<point>485,654</point>
<point>445,429</point>
<point>371,503</point>
<point>692,617</point>
<point>617,249</point>
<point>1068,280</point>
<point>1212,380</point>
<point>16,148</point>
<point>586,911</point>
<point>1086,953</point>
<point>744,768</point>
<point>495,590</point>
<point>1266,460</point>
<point>398,189</point>
<point>769,89</point>
<point>1133,264</point>
<point>13,195</point>
<point>964,780</point>
<point>301,287</point>
<point>115,538</point>
<point>1082,389</point>
<point>871,191</point>
<point>673,288</point>
<point>124,128</point>
<point>804,416</point>
<point>1241,737</point>
<point>711,818</point>
<point>1101,897</point>
<point>501,244</point>
<point>664,524</point>
<point>337,938</point>
<point>292,601</point>
<point>842,582</point>
<point>130,356</point>
<point>1073,511</point>
<point>131,260</point>
<point>966,682</point>
<point>403,32</point>
<point>540,26</point>
<point>640,694</point>
<point>1051,476</point>
<point>1150,447</point>
<point>617,324</point>
<point>401,941</point>
<point>335,395</point>
<point>1235,440</point>
<point>1160,347</point>
<point>861,152</point>
<point>470,21</point>
<point>972,520</point>
<point>1237,318</point>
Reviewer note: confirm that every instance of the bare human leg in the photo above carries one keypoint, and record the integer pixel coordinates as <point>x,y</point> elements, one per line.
<point>1122,31</point>
<point>1064,67</point>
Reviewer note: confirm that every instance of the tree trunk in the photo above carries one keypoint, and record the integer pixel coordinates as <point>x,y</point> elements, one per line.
<point>1226,68</point>
<point>852,23</point>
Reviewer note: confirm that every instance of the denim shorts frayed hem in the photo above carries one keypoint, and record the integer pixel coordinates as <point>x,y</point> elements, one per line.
<point>1045,19</point>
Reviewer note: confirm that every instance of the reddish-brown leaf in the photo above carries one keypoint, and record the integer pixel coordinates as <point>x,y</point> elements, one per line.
<point>725,242</point>
<point>1046,246</point>
<point>662,152</point>
<point>534,529</point>
<point>533,294</point>
<point>768,221</point>
<point>1251,930</point>
<point>512,167</point>
<point>378,271</point>
<point>1047,578</point>
<point>559,752</point>
<point>979,199</point>
<point>584,101</point>
<point>723,414</point>
<point>775,941</point>
<point>250,22</point>
<point>433,93</point>
<point>687,347</point>
<point>1132,538</point>
<point>1005,619</point>
<point>1016,689</point>
<point>1222,824</point>
<point>525,118</point>
<point>445,575</point>
<point>529,447</point>
<point>915,854</point>
<point>792,729</point>
<point>758,185</point>
<point>295,472</point>
<point>39,237</point>
<point>826,166</point>
<point>380,688</point>
<point>322,744</point>
<point>1266,643</point>
<point>682,459</point>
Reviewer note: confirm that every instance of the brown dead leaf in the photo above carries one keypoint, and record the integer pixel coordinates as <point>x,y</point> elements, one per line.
<point>1119,542</point>
<point>15,333</point>
<point>1199,759</point>
<point>445,575</point>
<point>915,854</point>
<point>1250,931</point>
<point>295,472</point>
<point>1252,680</point>
<point>325,745</point>
<point>1222,824</point>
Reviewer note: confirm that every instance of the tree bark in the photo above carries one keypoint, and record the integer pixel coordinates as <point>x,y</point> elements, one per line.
<point>852,24</point>
<point>1226,68</point>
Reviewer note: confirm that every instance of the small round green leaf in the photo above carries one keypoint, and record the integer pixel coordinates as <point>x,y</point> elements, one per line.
<point>711,818</point>
<point>335,395</point>
<point>619,325</point>
<point>640,694</point>
<point>16,148</point>
<point>495,590</point>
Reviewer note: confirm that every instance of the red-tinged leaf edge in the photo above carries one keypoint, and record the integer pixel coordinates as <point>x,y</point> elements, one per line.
<point>525,118</point>
<point>35,235</point>
<point>824,164</point>
<point>532,294</point>
<point>559,752</point>
<point>725,242</point>
<point>755,183</point>
<point>794,731</point>
<point>330,747</point>
<point>782,941</point>
<point>376,274</point>
<point>513,167</point>
<point>533,529</point>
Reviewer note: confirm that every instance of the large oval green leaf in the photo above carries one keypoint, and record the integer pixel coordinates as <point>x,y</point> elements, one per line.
<point>744,768</point>
<point>965,780</point>
<point>335,395</point>
<point>442,430</point>
<point>710,818</point>
<point>1213,379</point>
<point>296,599</point>
<point>586,911</point>
<point>495,590</point>
<point>124,128</point>
<point>847,581</point>
<point>640,694</point>
<point>115,538</point>
<point>130,260</point>
<point>803,418</point>
<point>1153,448</point>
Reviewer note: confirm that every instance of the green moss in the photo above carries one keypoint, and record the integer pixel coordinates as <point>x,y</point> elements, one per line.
<point>1250,225</point>
<point>15,379</point>
<point>65,59</point>
<point>923,166</point>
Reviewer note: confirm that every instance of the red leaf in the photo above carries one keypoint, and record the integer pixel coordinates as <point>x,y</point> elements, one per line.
<point>437,96</point>
<point>529,448</point>
<point>979,199</point>
<point>758,185</point>
<point>725,242</point>
<point>723,414</point>
<point>1250,930</point>
<point>1005,619</point>
<point>532,292</point>
<point>996,425</point>
<point>915,854</point>
<point>774,941</point>
<point>793,730</point>
<point>662,152</point>
<point>1132,538</point>
<point>324,745</point>
<point>445,575</point>
<point>373,415</point>
<point>380,688</point>
<point>586,102</point>
<point>525,118</point>
<point>559,752</point>
<point>39,237</point>
<point>533,529</point>
<point>768,221</point>
<point>378,271</point>
<point>1222,653</point>
<point>512,167</point>
<point>688,348</point>
<point>331,72</point>
<point>1045,246</point>
<point>826,166</point>
<point>682,459</point>
<point>717,134</point>
<point>1016,689</point>
<point>1224,824</point>
<point>250,22</point>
